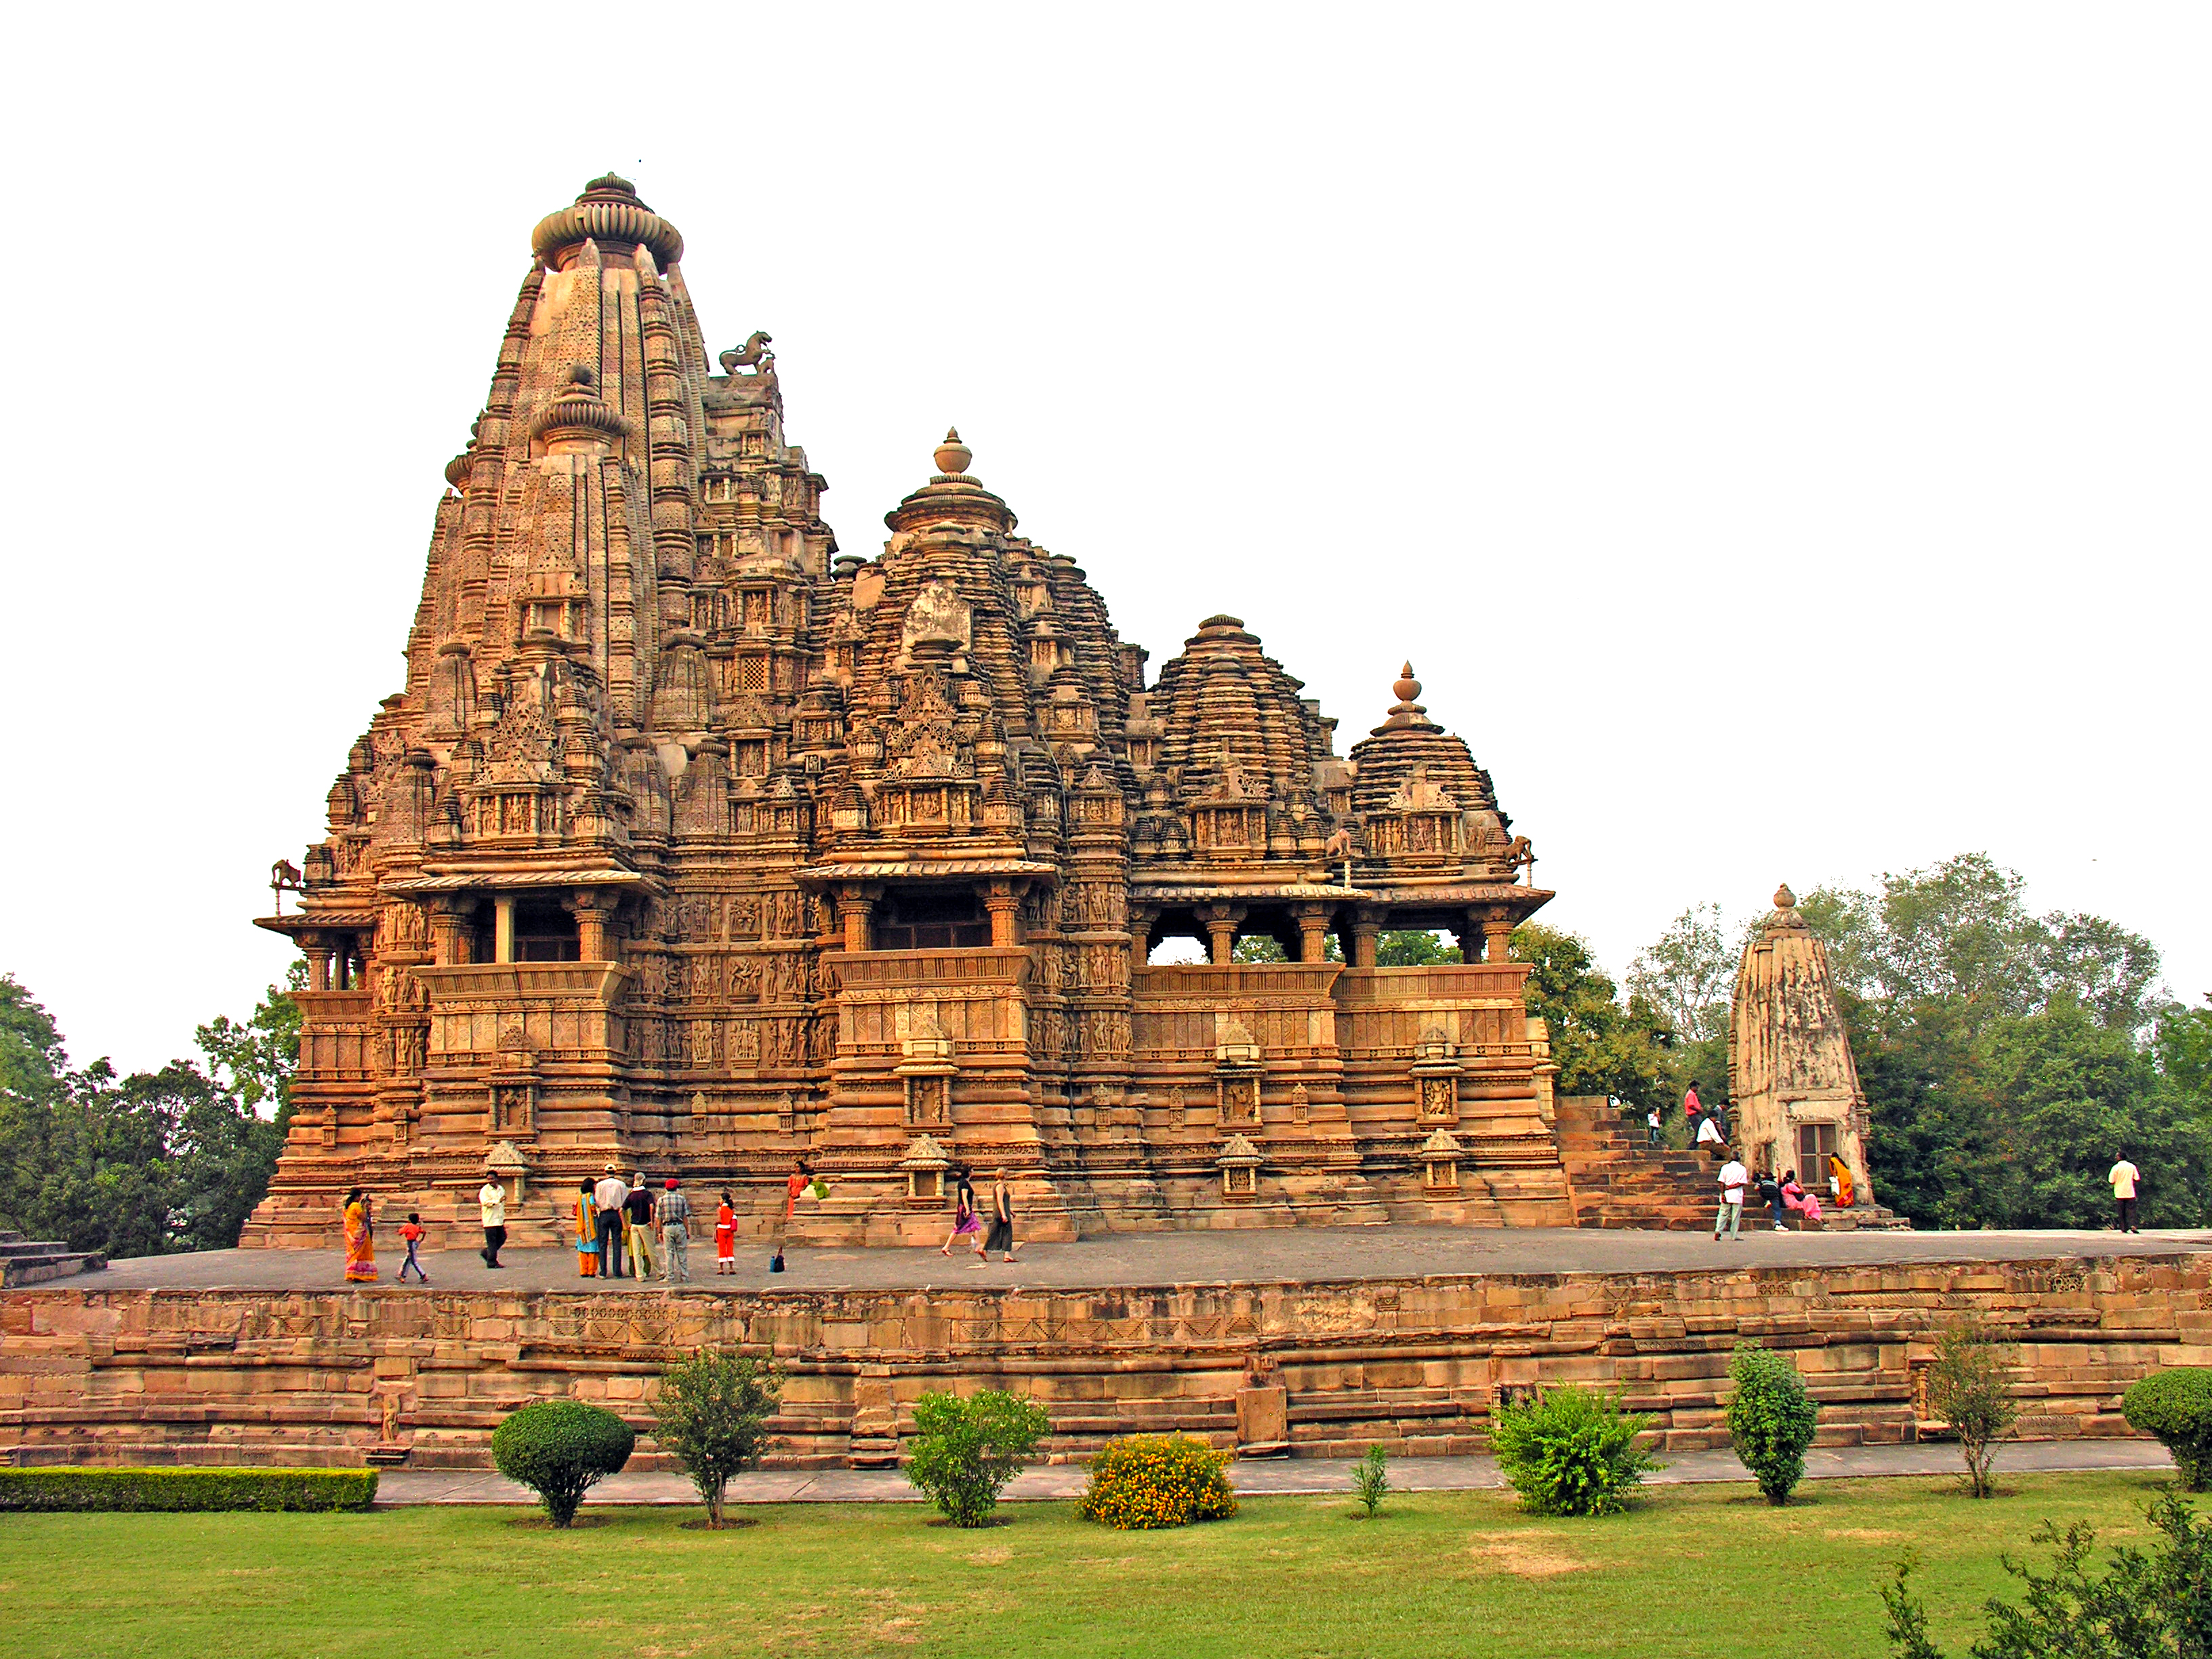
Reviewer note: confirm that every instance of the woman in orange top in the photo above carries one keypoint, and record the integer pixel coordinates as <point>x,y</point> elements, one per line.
<point>726,1235</point>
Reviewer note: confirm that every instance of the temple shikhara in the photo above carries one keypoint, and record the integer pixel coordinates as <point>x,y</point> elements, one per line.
<point>692,843</point>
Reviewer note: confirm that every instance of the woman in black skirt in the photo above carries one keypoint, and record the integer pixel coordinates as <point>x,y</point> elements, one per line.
<point>1001,1235</point>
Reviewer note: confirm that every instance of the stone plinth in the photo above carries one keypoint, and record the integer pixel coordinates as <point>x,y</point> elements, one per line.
<point>1412,1364</point>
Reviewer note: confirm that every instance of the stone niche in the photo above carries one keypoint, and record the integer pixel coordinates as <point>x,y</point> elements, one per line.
<point>925,1164</point>
<point>1237,1075</point>
<point>925,1070</point>
<point>1436,1077</point>
<point>1239,1164</point>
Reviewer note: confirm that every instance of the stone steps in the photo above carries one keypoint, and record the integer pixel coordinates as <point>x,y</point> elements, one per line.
<point>1618,1181</point>
<point>33,1261</point>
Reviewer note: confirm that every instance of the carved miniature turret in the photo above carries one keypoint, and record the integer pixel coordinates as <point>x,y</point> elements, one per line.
<point>1791,1077</point>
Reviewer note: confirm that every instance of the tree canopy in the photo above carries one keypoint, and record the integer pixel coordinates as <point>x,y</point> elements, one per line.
<point>173,1159</point>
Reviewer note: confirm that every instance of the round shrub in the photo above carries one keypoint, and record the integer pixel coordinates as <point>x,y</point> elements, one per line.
<point>2176,1406</point>
<point>965,1450</point>
<point>559,1449</point>
<point>1570,1451</point>
<point>1771,1418</point>
<point>1145,1480</point>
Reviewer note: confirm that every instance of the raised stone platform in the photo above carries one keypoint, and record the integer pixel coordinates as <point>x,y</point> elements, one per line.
<point>1328,1341</point>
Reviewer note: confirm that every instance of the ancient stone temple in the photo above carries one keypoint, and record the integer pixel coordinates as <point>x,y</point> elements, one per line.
<point>692,844</point>
<point>1791,1077</point>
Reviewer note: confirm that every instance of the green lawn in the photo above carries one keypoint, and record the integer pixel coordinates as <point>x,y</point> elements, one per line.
<point>1693,1571</point>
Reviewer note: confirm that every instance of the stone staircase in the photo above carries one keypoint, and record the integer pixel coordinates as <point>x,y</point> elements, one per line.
<point>1616,1181</point>
<point>31,1261</point>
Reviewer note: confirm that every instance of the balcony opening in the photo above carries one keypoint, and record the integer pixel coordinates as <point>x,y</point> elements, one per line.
<point>545,933</point>
<point>930,919</point>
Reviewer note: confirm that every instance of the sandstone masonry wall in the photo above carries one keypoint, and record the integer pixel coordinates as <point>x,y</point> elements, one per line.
<point>324,1377</point>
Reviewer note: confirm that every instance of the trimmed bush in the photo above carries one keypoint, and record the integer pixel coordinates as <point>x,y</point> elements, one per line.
<point>1570,1451</point>
<point>2176,1406</point>
<point>711,1416</point>
<point>560,1448</point>
<point>1145,1480</point>
<point>964,1451</point>
<point>1771,1418</point>
<point>186,1490</point>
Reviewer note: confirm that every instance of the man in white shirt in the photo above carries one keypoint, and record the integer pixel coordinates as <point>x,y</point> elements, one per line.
<point>607,1199</point>
<point>1734,1179</point>
<point>2124,1178</point>
<point>491,1206</point>
<point>1709,1133</point>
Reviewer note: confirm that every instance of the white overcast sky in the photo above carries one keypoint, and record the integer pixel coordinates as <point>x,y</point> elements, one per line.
<point>1777,435</point>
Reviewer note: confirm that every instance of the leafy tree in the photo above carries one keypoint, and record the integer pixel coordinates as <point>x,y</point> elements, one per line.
<point>2009,1058</point>
<point>1600,1047</point>
<point>1412,947</point>
<point>1970,1388</point>
<point>711,1416</point>
<point>1687,975</point>
<point>165,1160</point>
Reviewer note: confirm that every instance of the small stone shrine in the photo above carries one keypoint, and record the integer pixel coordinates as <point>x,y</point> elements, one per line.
<point>692,843</point>
<point>1795,1087</point>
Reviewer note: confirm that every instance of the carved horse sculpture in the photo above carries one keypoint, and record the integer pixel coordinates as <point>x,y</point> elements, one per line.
<point>753,354</point>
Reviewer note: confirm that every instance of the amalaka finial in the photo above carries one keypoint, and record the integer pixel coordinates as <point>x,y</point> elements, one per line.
<point>952,456</point>
<point>1405,686</point>
<point>1783,898</point>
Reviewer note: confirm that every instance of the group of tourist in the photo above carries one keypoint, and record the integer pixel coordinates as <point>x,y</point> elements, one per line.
<point>1783,1195</point>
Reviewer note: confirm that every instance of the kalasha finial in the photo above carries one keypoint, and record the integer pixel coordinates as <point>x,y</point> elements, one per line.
<point>1783,898</point>
<point>1406,685</point>
<point>952,456</point>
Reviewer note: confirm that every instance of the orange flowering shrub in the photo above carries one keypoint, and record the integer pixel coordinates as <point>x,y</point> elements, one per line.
<point>1157,1481</point>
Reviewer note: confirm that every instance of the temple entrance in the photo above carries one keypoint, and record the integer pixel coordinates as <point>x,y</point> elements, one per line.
<point>1816,1144</point>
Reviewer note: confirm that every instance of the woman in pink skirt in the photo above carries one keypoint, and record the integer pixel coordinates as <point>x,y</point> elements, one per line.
<point>966,1223</point>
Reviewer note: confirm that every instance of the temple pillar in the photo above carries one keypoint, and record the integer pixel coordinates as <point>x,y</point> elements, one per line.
<point>503,929</point>
<point>1221,922</point>
<point>595,917</point>
<point>1313,931</point>
<point>1365,925</point>
<point>856,901</point>
<point>1469,935</point>
<point>449,931</point>
<point>1004,900</point>
<point>1498,938</point>
<point>317,950</point>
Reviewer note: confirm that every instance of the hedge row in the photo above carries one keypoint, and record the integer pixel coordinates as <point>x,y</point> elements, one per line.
<point>186,1489</point>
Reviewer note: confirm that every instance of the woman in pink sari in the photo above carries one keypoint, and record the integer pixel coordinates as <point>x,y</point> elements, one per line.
<point>360,1239</point>
<point>1796,1198</point>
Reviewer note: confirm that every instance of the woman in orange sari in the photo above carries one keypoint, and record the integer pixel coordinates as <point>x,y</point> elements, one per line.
<point>587,1232</point>
<point>360,1239</point>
